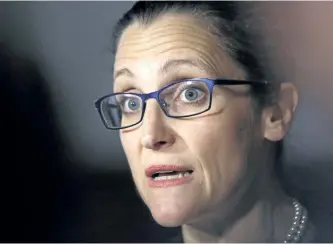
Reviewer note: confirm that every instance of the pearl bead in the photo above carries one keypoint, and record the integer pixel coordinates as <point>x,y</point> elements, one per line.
<point>298,226</point>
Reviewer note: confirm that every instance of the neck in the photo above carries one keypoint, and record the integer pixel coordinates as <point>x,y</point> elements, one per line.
<point>267,219</point>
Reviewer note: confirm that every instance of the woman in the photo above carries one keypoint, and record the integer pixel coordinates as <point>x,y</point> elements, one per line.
<point>201,123</point>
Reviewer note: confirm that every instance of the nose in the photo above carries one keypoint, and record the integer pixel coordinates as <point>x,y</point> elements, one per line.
<point>156,133</point>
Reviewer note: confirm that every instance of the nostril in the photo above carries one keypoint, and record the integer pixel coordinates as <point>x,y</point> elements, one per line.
<point>160,144</point>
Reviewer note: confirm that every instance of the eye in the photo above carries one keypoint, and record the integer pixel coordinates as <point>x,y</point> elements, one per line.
<point>191,94</point>
<point>131,104</point>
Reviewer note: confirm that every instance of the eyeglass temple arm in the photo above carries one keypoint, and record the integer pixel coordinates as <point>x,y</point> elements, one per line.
<point>239,82</point>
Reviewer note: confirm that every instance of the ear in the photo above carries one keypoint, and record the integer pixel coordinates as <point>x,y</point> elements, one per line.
<point>277,119</point>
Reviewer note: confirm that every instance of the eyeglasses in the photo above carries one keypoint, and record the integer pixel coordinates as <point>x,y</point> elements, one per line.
<point>180,99</point>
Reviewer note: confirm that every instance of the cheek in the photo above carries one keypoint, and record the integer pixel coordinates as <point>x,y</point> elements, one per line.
<point>132,152</point>
<point>220,149</point>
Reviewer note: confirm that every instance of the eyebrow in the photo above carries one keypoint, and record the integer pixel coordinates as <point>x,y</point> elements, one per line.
<point>169,65</point>
<point>123,71</point>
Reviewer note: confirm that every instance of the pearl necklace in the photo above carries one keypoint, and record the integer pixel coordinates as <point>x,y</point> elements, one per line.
<point>298,226</point>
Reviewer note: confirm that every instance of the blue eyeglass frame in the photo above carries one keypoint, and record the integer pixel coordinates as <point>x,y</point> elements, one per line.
<point>211,82</point>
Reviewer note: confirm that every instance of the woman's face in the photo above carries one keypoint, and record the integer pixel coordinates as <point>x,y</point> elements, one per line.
<point>214,145</point>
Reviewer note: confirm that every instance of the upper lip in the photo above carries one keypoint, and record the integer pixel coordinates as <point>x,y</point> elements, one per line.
<point>153,169</point>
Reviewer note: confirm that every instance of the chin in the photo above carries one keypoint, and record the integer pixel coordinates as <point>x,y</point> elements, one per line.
<point>170,215</point>
<point>168,220</point>
<point>173,206</point>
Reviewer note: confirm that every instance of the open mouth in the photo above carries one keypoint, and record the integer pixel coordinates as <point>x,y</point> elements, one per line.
<point>170,175</point>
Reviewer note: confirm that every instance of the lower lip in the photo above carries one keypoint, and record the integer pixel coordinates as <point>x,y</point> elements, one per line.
<point>168,183</point>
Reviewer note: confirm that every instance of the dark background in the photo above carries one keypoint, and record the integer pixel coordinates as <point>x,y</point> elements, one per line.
<point>64,177</point>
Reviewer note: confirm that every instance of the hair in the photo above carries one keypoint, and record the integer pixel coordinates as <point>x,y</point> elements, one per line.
<point>239,40</point>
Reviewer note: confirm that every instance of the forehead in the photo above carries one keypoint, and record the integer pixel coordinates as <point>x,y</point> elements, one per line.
<point>168,30</point>
<point>172,36</point>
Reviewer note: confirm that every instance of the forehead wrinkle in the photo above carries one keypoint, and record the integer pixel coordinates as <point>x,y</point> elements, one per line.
<point>219,63</point>
<point>163,24</point>
<point>181,27</point>
<point>151,45</point>
<point>209,61</point>
<point>156,47</point>
<point>172,63</point>
<point>205,60</point>
<point>186,20</point>
<point>196,38</point>
<point>156,39</point>
<point>178,27</point>
<point>148,34</point>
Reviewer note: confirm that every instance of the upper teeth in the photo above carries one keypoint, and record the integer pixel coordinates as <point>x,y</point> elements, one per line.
<point>170,177</point>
